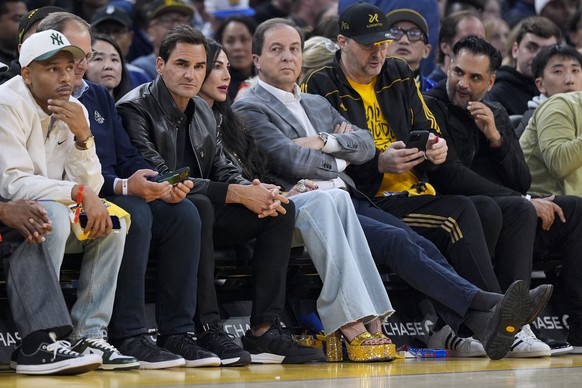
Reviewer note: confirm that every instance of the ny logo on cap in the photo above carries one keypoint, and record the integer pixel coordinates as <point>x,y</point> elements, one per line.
<point>345,26</point>
<point>57,39</point>
<point>373,18</point>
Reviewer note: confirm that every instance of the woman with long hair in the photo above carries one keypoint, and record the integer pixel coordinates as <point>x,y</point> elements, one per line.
<point>353,300</point>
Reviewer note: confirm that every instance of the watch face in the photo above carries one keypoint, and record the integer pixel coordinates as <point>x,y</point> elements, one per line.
<point>90,142</point>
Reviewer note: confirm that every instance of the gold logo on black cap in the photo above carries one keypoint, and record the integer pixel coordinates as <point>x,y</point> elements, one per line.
<point>345,26</point>
<point>373,18</point>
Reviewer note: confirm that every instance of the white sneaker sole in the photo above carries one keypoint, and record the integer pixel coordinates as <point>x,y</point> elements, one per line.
<point>457,354</point>
<point>128,366</point>
<point>560,351</point>
<point>266,358</point>
<point>66,367</point>
<point>531,354</point>
<point>210,361</point>
<point>163,364</point>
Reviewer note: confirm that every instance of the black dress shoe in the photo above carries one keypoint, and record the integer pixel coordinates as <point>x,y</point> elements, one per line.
<point>505,321</point>
<point>538,298</point>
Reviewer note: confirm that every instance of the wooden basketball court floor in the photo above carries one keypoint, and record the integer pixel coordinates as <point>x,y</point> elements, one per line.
<point>560,371</point>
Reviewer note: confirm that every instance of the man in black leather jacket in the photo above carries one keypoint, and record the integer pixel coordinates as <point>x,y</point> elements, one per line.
<point>172,128</point>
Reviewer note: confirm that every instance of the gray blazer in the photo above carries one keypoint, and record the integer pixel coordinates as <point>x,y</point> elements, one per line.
<point>272,127</point>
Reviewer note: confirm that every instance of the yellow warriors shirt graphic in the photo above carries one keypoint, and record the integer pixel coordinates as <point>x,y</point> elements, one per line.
<point>383,137</point>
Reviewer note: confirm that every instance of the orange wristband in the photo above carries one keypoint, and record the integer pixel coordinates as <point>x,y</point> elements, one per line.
<point>79,201</point>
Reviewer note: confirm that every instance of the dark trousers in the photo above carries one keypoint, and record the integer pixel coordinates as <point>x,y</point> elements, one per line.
<point>452,224</point>
<point>566,238</point>
<point>232,224</point>
<point>417,261</point>
<point>512,249</point>
<point>170,233</point>
<point>491,219</point>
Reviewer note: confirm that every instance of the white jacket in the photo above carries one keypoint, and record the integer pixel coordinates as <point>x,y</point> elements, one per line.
<point>34,165</point>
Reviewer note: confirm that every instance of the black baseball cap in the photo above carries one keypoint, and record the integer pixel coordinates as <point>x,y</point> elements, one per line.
<point>34,16</point>
<point>365,23</point>
<point>111,13</point>
<point>407,15</point>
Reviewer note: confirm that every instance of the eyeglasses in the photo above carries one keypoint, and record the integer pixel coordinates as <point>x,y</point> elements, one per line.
<point>89,56</point>
<point>375,46</point>
<point>413,34</point>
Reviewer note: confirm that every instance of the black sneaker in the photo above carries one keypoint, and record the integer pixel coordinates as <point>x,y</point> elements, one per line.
<point>215,340</point>
<point>277,346</point>
<point>557,347</point>
<point>150,355</point>
<point>55,357</point>
<point>575,335</point>
<point>14,357</point>
<point>185,345</point>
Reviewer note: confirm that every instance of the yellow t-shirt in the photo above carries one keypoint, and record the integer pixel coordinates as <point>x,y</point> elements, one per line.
<point>383,137</point>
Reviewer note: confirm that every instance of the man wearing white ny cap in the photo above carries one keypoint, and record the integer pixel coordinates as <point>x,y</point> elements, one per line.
<point>38,308</point>
<point>49,155</point>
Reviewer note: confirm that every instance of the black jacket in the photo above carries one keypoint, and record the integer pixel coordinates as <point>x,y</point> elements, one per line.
<point>472,167</point>
<point>152,120</point>
<point>513,90</point>
<point>399,99</point>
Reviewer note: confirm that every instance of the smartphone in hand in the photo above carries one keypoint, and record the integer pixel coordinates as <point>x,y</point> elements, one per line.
<point>418,139</point>
<point>174,177</point>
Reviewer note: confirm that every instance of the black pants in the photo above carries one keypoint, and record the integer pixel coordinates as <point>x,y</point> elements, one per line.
<point>451,223</point>
<point>169,233</point>
<point>510,241</point>
<point>566,238</point>
<point>231,224</point>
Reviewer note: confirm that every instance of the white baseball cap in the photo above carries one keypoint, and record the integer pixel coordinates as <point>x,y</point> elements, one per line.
<point>44,45</point>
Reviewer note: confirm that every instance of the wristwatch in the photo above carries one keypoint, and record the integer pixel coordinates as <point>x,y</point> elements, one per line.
<point>323,136</point>
<point>85,145</point>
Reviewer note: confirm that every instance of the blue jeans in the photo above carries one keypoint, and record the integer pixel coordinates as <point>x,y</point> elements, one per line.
<point>417,261</point>
<point>98,277</point>
<point>352,288</point>
<point>170,235</point>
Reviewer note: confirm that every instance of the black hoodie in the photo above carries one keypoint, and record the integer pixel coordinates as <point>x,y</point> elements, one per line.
<point>472,166</point>
<point>513,90</point>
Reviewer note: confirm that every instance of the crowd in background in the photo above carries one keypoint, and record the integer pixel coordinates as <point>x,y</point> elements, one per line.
<point>500,169</point>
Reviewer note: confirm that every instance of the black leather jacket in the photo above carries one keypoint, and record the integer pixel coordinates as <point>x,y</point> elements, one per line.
<point>152,119</point>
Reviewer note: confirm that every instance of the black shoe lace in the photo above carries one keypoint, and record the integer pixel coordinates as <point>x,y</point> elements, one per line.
<point>220,337</point>
<point>286,335</point>
<point>148,342</point>
<point>189,338</point>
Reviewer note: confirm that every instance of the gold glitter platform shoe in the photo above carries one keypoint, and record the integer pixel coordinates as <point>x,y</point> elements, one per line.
<point>365,347</point>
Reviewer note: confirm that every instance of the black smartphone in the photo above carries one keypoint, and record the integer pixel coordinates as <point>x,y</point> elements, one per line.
<point>83,221</point>
<point>418,139</point>
<point>175,177</point>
